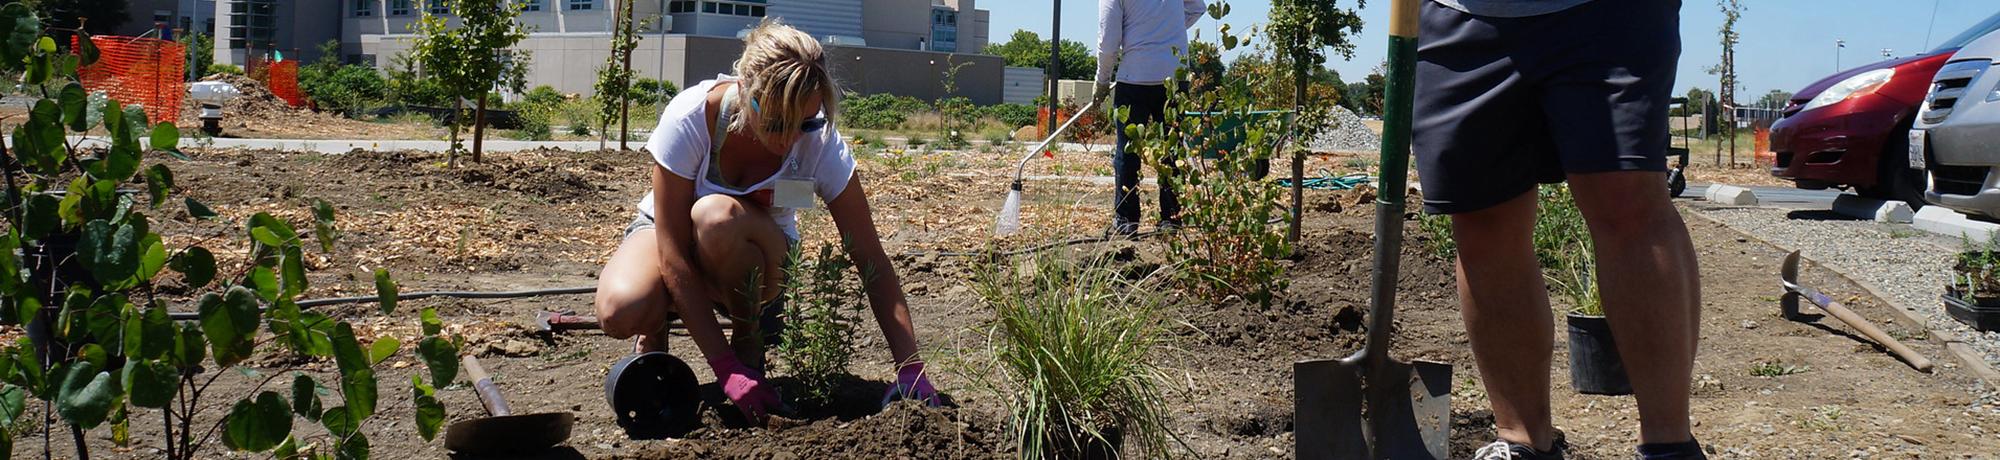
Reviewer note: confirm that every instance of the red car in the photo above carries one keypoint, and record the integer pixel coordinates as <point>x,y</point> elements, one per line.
<point>1851,130</point>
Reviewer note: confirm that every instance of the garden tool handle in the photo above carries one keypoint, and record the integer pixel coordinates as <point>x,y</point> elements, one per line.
<point>1917,361</point>
<point>489,394</point>
<point>1021,167</point>
<point>1392,182</point>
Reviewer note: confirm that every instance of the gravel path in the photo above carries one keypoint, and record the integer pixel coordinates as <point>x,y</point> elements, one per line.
<point>1907,264</point>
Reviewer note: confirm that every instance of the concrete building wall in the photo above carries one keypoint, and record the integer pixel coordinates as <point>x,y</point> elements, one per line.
<point>896,23</point>
<point>181,15</point>
<point>820,18</point>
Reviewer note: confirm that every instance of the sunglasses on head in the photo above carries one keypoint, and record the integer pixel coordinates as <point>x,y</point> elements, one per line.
<point>807,126</point>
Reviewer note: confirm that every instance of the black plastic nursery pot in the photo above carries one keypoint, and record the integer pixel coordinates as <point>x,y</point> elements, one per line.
<point>1594,365</point>
<point>1980,313</point>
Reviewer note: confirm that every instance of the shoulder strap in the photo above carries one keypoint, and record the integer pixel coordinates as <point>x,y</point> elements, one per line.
<point>721,131</point>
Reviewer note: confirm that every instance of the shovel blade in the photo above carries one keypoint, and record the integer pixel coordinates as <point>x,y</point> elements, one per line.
<point>509,435</point>
<point>1329,412</point>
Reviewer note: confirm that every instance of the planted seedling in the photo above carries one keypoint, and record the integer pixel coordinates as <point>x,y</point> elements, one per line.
<point>1769,369</point>
<point>823,306</point>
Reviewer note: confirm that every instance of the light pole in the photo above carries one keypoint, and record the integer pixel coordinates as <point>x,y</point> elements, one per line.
<point>1886,53</point>
<point>1055,63</point>
<point>1838,44</point>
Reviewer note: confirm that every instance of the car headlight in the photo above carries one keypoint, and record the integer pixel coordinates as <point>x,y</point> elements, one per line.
<point>1862,83</point>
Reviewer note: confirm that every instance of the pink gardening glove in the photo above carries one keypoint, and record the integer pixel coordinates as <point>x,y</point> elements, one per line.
<point>911,383</point>
<point>743,386</point>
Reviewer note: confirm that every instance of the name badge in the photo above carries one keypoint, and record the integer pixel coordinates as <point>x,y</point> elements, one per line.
<point>793,193</point>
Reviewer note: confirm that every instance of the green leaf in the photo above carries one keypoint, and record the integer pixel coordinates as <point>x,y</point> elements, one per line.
<point>156,333</point>
<point>432,325</point>
<point>40,145</point>
<point>88,49</point>
<point>354,447</point>
<point>385,292</point>
<point>151,383</point>
<point>304,333</point>
<point>441,357</point>
<point>13,401</point>
<point>42,216</point>
<point>152,257</point>
<point>346,350</point>
<point>110,250</point>
<point>86,395</point>
<point>338,420</point>
<point>430,412</point>
<point>292,267</point>
<point>159,183</point>
<point>279,229</point>
<point>166,137</point>
<point>266,236</point>
<point>121,427</point>
<point>323,225</point>
<point>265,282</point>
<point>382,349</point>
<point>18,29</point>
<point>305,397</point>
<point>258,426</point>
<point>75,107</point>
<point>230,321</point>
<point>105,320</point>
<point>190,347</point>
<point>288,450</point>
<point>358,389</point>
<point>198,210</point>
<point>197,266</point>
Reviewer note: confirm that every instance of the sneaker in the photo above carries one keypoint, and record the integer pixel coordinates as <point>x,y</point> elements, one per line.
<point>1503,450</point>
<point>1123,229</point>
<point>1166,226</point>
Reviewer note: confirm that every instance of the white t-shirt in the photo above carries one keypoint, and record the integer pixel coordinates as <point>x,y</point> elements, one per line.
<point>681,143</point>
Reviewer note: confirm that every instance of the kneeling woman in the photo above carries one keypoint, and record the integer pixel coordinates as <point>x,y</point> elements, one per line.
<point>736,156</point>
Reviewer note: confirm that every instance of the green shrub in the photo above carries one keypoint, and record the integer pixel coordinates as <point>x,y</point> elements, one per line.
<point>879,111</point>
<point>542,96</point>
<point>348,89</point>
<point>224,69</point>
<point>1434,231</point>
<point>823,306</point>
<point>579,114</point>
<point>1076,346</point>
<point>1011,116</point>
<point>647,92</point>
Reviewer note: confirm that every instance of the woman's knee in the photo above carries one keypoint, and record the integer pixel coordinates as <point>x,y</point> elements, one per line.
<point>624,308</point>
<point>716,212</point>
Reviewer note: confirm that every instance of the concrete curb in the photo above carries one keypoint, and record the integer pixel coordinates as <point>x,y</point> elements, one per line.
<point>1730,195</point>
<point>1895,212</point>
<point>1937,219</point>
<point>1965,355</point>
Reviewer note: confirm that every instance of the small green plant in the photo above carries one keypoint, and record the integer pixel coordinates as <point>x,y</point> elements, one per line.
<point>1976,270</point>
<point>1076,346</point>
<point>1901,233</point>
<point>1435,230</point>
<point>223,69</point>
<point>1825,418</point>
<point>916,141</point>
<point>1770,369</point>
<point>1229,245</point>
<point>823,306</point>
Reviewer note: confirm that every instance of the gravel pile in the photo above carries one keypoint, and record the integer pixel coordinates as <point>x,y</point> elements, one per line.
<point>1346,133</point>
<point>1911,269</point>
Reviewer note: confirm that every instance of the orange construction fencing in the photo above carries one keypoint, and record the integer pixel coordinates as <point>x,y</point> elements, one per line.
<point>283,78</point>
<point>148,72</point>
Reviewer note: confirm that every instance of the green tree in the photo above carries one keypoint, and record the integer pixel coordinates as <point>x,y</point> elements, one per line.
<point>1697,98</point>
<point>614,80</point>
<point>200,51</point>
<point>1775,99</point>
<point>1205,69</point>
<point>1300,32</point>
<point>468,61</point>
<point>1725,71</point>
<point>1028,49</point>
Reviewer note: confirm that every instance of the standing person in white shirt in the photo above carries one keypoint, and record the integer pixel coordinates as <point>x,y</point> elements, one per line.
<point>1138,44</point>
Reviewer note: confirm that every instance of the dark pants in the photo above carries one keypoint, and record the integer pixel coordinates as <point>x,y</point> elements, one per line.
<point>1147,104</point>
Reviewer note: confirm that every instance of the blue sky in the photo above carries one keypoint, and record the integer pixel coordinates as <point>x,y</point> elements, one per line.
<point>1786,44</point>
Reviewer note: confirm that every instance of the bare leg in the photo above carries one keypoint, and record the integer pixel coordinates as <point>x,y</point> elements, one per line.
<point>1651,285</point>
<point>631,300</point>
<point>1506,310</point>
<point>742,253</point>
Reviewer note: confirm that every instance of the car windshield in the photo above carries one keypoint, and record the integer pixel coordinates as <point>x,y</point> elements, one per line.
<point>1970,34</point>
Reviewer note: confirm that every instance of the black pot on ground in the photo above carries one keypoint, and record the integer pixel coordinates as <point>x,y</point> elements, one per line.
<point>1980,313</point>
<point>1594,365</point>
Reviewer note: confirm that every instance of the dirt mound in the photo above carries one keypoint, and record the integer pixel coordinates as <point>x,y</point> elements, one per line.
<point>541,180</point>
<point>903,431</point>
<point>260,113</point>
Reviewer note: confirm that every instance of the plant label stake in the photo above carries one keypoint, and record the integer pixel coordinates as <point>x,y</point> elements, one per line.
<point>1407,410</point>
<point>1789,276</point>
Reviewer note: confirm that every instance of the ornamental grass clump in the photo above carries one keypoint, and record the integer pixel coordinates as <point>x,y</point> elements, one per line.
<point>1076,345</point>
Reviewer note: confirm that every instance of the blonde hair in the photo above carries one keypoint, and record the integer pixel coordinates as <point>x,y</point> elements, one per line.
<point>781,68</point>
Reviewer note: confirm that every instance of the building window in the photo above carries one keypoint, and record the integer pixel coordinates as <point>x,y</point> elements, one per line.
<point>708,7</point>
<point>757,11</point>
<point>439,7</point>
<point>531,5</point>
<point>399,7</point>
<point>582,4</point>
<point>680,6</point>
<point>364,8</point>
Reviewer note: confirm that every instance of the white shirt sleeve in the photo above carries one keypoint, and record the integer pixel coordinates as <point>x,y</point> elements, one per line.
<point>680,140</point>
<point>1110,38</point>
<point>1195,8</point>
<point>835,168</point>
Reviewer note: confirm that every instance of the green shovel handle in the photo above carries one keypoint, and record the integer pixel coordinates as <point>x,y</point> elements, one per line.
<point>1396,120</point>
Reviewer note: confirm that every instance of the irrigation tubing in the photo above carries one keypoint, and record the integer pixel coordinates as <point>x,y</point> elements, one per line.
<point>422,295</point>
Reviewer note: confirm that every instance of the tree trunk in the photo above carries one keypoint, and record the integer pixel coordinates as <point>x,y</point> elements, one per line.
<point>625,96</point>
<point>457,115</point>
<point>478,127</point>
<point>1299,155</point>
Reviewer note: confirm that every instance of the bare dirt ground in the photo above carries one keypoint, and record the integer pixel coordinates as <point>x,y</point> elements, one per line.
<point>547,219</point>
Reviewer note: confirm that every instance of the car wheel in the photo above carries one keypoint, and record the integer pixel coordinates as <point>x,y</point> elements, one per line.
<point>1894,180</point>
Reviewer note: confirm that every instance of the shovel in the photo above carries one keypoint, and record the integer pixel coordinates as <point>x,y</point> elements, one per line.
<point>1009,222</point>
<point>504,433</point>
<point>1369,405</point>
<point>1789,275</point>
